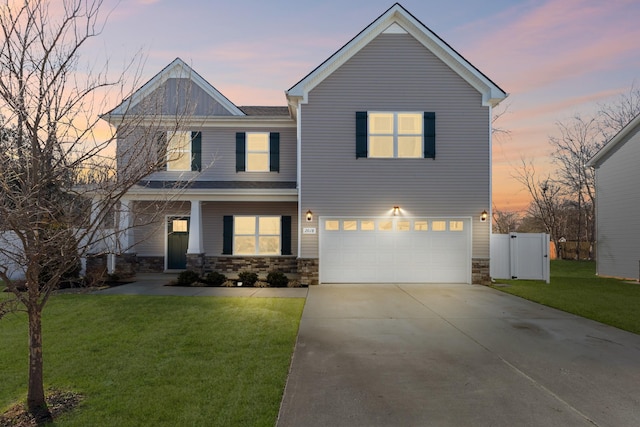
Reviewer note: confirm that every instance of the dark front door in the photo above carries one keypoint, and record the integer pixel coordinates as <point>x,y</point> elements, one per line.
<point>177,242</point>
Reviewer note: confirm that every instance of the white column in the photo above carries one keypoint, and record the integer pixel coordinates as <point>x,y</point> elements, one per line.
<point>195,229</point>
<point>124,226</point>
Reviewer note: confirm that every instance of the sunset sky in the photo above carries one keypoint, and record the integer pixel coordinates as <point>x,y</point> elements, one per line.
<point>555,58</point>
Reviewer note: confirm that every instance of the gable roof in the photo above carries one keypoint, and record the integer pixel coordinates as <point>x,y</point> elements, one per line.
<point>176,69</point>
<point>398,19</point>
<point>619,138</point>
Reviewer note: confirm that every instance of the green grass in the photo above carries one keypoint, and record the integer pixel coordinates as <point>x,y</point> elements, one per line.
<point>576,289</point>
<point>161,361</point>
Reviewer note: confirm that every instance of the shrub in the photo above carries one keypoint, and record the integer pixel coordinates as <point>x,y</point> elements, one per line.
<point>277,279</point>
<point>215,279</point>
<point>261,284</point>
<point>228,284</point>
<point>247,278</point>
<point>187,278</point>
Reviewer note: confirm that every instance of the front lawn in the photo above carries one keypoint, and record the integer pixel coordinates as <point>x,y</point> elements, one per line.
<point>197,361</point>
<point>575,288</point>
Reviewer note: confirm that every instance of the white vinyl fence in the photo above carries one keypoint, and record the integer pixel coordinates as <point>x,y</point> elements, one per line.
<point>520,256</point>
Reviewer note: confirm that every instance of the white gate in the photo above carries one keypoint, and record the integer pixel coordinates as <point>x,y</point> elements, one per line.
<point>520,256</point>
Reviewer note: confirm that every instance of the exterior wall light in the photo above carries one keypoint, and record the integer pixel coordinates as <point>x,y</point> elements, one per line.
<point>396,210</point>
<point>309,216</point>
<point>483,216</point>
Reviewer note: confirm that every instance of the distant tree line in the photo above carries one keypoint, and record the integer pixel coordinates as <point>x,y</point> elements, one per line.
<point>563,201</point>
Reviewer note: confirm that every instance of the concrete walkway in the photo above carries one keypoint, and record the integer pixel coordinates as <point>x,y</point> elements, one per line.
<point>455,355</point>
<point>155,284</point>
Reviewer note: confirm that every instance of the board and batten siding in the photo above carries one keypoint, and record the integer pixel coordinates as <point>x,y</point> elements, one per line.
<point>617,207</point>
<point>180,97</point>
<point>395,73</point>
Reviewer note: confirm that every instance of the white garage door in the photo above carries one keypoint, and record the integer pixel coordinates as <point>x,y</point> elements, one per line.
<point>395,250</point>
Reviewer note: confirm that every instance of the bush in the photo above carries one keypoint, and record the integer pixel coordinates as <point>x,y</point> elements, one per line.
<point>247,278</point>
<point>187,278</point>
<point>215,279</point>
<point>277,279</point>
<point>261,284</point>
<point>228,284</point>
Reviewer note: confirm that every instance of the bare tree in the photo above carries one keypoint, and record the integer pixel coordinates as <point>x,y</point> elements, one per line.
<point>546,201</point>
<point>48,148</point>
<point>579,140</point>
<point>505,222</point>
<point>617,114</point>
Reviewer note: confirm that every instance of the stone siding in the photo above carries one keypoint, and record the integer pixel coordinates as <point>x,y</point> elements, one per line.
<point>308,270</point>
<point>480,272</point>
<point>232,265</point>
<point>150,264</point>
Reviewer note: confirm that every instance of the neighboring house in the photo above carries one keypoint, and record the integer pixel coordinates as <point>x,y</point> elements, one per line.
<point>378,170</point>
<point>618,204</point>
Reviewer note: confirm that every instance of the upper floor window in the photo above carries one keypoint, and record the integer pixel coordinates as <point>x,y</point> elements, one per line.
<point>257,152</point>
<point>183,150</point>
<point>395,135</point>
<point>179,151</point>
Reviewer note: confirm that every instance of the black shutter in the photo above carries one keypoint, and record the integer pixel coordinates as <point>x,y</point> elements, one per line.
<point>429,135</point>
<point>227,235</point>
<point>361,134</point>
<point>285,235</point>
<point>241,152</point>
<point>161,149</point>
<point>274,152</point>
<point>196,151</point>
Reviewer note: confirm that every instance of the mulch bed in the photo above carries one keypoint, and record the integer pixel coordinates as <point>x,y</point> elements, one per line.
<point>58,401</point>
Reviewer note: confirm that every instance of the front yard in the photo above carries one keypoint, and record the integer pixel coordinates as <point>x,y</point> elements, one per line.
<point>159,360</point>
<point>575,288</point>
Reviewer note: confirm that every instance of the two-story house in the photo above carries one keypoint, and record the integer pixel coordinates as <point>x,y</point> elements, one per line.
<point>378,169</point>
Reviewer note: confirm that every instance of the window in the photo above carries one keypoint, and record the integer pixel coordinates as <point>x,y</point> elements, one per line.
<point>367,225</point>
<point>257,152</point>
<point>385,225</point>
<point>332,225</point>
<point>256,235</point>
<point>350,225</point>
<point>404,225</point>
<point>395,134</point>
<point>179,151</point>
<point>183,150</point>
<point>439,225</point>
<point>421,225</point>
<point>456,226</point>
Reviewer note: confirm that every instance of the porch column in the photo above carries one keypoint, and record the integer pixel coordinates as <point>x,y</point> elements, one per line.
<point>124,226</point>
<point>195,229</point>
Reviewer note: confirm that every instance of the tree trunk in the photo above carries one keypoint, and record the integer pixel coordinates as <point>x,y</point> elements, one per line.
<point>36,403</point>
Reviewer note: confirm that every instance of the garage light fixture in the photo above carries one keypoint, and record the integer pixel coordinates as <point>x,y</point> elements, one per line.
<point>483,216</point>
<point>396,210</point>
<point>309,216</point>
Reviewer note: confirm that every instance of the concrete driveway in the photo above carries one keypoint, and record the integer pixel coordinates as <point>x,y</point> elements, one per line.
<point>455,355</point>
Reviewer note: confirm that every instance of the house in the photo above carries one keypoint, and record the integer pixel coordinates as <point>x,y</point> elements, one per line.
<point>378,169</point>
<point>618,203</point>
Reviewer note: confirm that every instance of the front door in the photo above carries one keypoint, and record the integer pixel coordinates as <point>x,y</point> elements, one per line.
<point>177,242</point>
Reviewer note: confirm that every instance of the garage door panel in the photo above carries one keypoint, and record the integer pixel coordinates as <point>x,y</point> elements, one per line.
<point>396,250</point>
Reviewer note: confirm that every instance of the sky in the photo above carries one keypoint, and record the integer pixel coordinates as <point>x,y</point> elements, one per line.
<point>555,58</point>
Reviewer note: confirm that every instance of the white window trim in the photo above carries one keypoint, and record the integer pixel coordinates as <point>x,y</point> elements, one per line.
<point>257,235</point>
<point>247,151</point>
<point>395,134</point>
<point>185,152</point>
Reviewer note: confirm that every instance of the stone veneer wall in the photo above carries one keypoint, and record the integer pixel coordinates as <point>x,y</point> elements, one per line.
<point>308,270</point>
<point>96,267</point>
<point>480,272</point>
<point>150,264</point>
<point>262,265</point>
